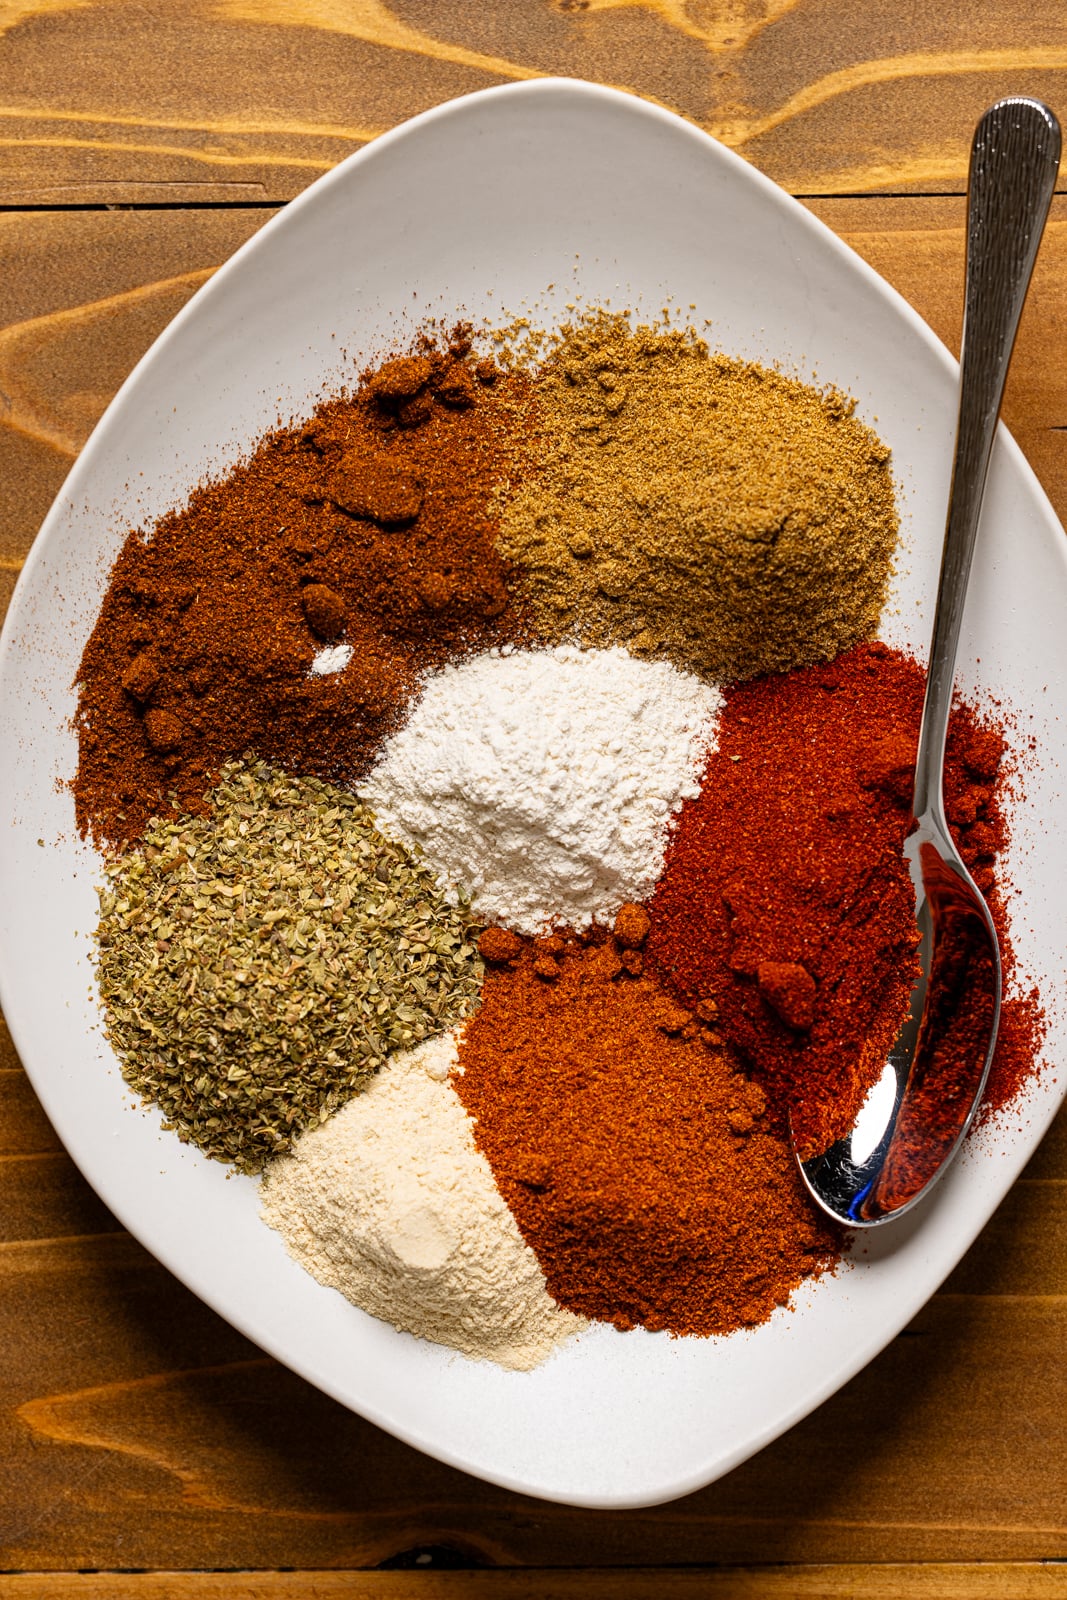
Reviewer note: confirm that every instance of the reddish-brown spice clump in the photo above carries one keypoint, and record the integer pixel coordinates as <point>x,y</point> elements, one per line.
<point>786,900</point>
<point>789,989</point>
<point>499,945</point>
<point>141,676</point>
<point>370,524</point>
<point>631,926</point>
<point>638,1162</point>
<point>325,611</point>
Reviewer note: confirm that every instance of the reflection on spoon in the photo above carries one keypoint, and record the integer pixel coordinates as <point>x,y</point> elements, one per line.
<point>917,1114</point>
<point>919,1110</point>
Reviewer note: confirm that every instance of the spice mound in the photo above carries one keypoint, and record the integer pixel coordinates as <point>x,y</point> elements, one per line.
<point>639,1163</point>
<point>542,782</point>
<point>698,507</point>
<point>786,900</point>
<point>390,1202</point>
<point>257,963</point>
<point>290,607</point>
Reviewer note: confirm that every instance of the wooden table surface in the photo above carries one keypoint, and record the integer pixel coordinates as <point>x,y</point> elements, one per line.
<point>148,1450</point>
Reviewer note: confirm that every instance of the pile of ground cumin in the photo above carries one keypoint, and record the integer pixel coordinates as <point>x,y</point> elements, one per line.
<point>698,507</point>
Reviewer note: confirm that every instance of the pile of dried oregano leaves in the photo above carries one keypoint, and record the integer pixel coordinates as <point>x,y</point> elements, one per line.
<point>258,962</point>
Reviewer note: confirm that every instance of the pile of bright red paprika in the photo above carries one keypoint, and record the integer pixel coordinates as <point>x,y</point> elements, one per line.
<point>786,899</point>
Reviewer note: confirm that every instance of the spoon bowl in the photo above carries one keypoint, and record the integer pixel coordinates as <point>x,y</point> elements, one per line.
<point>916,1116</point>
<point>918,1113</point>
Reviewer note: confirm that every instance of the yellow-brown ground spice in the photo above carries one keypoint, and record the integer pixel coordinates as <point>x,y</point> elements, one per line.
<point>689,505</point>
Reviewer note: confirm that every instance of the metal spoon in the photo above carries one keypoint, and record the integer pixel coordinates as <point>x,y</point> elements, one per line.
<point>916,1116</point>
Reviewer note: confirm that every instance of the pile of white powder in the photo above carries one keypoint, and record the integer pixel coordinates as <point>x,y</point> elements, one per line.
<point>541,783</point>
<point>390,1202</point>
<point>333,658</point>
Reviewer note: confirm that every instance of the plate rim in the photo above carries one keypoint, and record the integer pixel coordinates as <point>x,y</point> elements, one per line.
<point>544,88</point>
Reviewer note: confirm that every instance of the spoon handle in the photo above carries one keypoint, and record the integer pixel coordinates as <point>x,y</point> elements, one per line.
<point>1014,161</point>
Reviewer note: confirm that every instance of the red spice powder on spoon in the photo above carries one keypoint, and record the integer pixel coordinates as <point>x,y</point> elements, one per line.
<point>786,901</point>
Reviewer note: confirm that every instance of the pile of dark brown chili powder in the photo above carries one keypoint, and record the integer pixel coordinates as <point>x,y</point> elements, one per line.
<point>369,526</point>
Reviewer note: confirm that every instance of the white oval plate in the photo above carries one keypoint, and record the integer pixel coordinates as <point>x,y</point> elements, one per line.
<point>475,208</point>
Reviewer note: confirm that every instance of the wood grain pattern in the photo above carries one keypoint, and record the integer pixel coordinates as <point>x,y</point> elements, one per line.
<point>135,100</point>
<point>133,1397</point>
<point>138,1430</point>
<point>121,1391</point>
<point>83,295</point>
<point>918,246</point>
<point>1000,1580</point>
